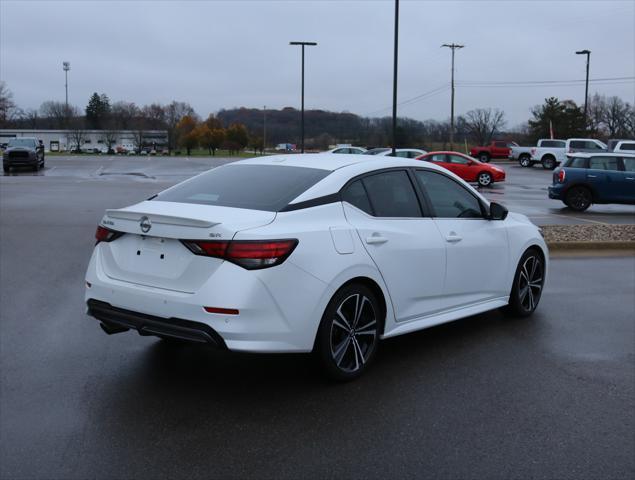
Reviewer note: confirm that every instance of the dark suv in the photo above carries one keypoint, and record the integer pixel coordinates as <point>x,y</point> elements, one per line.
<point>23,151</point>
<point>595,178</point>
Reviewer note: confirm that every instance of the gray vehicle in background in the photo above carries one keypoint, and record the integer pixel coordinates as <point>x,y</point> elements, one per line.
<point>23,152</point>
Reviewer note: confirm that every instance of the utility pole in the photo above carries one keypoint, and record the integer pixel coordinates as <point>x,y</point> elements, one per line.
<point>453,47</point>
<point>394,81</point>
<point>586,87</point>
<point>264,129</point>
<point>303,44</point>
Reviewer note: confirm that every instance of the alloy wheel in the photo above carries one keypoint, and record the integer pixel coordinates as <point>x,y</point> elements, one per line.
<point>530,283</point>
<point>484,179</point>
<point>578,199</point>
<point>353,335</point>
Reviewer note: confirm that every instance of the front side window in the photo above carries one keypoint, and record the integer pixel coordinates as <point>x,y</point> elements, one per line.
<point>500,144</point>
<point>448,198</point>
<point>629,164</point>
<point>458,160</point>
<point>392,195</point>
<point>255,187</point>
<point>627,146</point>
<point>593,146</point>
<point>437,157</point>
<point>603,163</point>
<point>577,144</point>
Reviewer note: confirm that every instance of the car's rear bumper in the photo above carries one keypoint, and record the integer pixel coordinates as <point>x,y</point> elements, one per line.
<point>115,320</point>
<point>263,323</point>
<point>555,192</point>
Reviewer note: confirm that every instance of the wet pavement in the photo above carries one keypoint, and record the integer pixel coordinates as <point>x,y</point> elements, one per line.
<point>524,191</point>
<point>486,397</point>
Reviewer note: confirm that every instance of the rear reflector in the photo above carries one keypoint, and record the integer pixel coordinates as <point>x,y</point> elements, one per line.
<point>249,254</point>
<point>104,234</point>
<point>222,311</point>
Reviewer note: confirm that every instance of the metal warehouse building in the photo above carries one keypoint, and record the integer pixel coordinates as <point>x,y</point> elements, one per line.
<point>61,140</point>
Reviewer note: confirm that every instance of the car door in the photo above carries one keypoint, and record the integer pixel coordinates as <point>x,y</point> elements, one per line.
<point>604,177</point>
<point>476,248</point>
<point>626,188</point>
<point>440,159</point>
<point>500,150</point>
<point>406,246</point>
<point>462,167</point>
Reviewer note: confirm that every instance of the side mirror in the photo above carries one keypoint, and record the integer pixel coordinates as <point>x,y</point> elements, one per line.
<point>497,211</point>
<point>470,163</point>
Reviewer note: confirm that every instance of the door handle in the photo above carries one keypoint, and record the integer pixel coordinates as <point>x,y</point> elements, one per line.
<point>592,176</point>
<point>630,178</point>
<point>376,239</point>
<point>453,238</point>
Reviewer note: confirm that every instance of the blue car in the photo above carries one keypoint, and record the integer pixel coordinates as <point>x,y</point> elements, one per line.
<point>585,179</point>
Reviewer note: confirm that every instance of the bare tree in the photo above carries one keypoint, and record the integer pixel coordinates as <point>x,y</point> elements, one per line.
<point>7,105</point>
<point>174,112</point>
<point>77,134</point>
<point>483,123</point>
<point>123,114</point>
<point>616,117</point>
<point>110,138</point>
<point>57,113</point>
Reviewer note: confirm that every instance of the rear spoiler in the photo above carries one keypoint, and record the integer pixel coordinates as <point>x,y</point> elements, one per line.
<point>162,219</point>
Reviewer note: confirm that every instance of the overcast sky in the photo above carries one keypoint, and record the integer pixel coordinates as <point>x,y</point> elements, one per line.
<point>224,54</point>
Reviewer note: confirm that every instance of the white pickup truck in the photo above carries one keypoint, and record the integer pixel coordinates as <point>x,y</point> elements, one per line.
<point>546,151</point>
<point>551,153</point>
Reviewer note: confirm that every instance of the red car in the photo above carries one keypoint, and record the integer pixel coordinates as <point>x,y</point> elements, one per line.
<point>468,168</point>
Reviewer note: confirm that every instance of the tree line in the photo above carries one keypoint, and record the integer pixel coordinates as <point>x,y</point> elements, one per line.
<point>239,128</point>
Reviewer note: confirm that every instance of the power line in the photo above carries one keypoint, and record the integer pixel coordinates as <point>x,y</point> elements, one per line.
<point>477,83</point>
<point>412,100</point>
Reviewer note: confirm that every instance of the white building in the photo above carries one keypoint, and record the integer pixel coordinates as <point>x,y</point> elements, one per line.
<point>93,140</point>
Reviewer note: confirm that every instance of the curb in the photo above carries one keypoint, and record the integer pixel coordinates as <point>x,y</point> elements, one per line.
<point>616,245</point>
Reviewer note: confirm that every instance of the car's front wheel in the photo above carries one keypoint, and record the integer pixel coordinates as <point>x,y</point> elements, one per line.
<point>485,179</point>
<point>348,335</point>
<point>528,283</point>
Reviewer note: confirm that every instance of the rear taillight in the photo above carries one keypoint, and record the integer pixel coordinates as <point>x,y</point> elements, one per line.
<point>249,254</point>
<point>104,234</point>
<point>561,176</point>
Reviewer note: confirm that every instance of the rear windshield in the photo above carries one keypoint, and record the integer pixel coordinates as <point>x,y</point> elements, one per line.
<point>255,187</point>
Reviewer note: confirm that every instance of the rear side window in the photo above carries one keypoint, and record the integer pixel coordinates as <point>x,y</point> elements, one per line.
<point>577,144</point>
<point>627,146</point>
<point>448,198</point>
<point>255,187</point>
<point>392,195</point>
<point>552,144</point>
<point>603,163</point>
<point>355,194</point>
<point>576,162</point>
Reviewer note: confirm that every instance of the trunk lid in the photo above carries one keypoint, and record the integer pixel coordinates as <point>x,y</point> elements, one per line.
<point>151,253</point>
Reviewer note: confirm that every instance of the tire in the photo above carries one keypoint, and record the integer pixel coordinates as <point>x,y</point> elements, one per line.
<point>6,168</point>
<point>484,179</point>
<point>578,198</point>
<point>528,283</point>
<point>484,157</point>
<point>343,347</point>
<point>525,161</point>
<point>36,167</point>
<point>549,163</point>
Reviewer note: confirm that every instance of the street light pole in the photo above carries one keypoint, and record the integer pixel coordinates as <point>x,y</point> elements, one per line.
<point>452,46</point>
<point>264,129</point>
<point>394,80</point>
<point>586,87</point>
<point>66,66</point>
<point>302,44</point>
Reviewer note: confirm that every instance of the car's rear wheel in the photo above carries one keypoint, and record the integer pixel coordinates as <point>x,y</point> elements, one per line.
<point>578,198</point>
<point>484,157</point>
<point>528,283</point>
<point>348,335</point>
<point>525,161</point>
<point>485,179</point>
<point>6,168</point>
<point>548,163</point>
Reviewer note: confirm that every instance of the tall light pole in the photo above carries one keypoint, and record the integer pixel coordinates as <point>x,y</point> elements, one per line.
<point>586,87</point>
<point>303,44</point>
<point>394,80</point>
<point>264,129</point>
<point>66,66</point>
<point>453,47</point>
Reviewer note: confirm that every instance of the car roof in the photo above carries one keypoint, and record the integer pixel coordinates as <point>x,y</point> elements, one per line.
<point>600,154</point>
<point>324,161</point>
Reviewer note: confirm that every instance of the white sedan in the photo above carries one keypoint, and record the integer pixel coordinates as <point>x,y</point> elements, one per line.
<point>399,152</point>
<point>347,149</point>
<point>290,254</point>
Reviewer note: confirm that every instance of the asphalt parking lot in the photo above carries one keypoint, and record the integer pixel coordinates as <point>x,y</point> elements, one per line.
<point>486,397</point>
